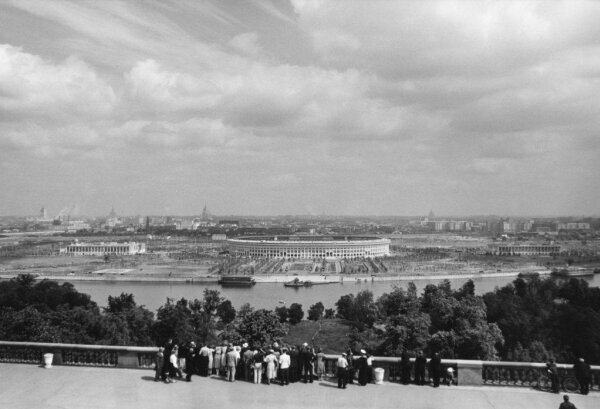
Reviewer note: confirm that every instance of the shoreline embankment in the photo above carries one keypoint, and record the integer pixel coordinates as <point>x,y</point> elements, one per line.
<point>275,278</point>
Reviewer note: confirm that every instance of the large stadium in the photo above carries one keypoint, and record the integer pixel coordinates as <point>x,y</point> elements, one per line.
<point>309,247</point>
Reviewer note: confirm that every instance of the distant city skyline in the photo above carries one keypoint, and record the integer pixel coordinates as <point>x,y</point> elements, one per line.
<point>300,107</point>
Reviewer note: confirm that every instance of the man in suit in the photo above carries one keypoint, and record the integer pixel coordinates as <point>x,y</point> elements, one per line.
<point>231,361</point>
<point>435,369</point>
<point>420,362</point>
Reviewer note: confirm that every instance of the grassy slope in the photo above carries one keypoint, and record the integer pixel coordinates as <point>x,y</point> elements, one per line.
<point>332,338</point>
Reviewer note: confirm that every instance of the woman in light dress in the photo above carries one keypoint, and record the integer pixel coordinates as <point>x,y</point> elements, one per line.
<point>320,364</point>
<point>211,361</point>
<point>217,360</point>
<point>271,361</point>
<point>224,350</point>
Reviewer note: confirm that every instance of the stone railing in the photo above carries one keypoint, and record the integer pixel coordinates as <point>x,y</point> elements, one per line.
<point>533,375</point>
<point>493,373</point>
<point>466,372</point>
<point>77,354</point>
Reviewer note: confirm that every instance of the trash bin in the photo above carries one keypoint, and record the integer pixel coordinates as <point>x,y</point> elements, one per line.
<point>379,375</point>
<point>48,360</point>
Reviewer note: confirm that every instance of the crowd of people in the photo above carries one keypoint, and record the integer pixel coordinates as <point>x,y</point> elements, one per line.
<point>275,364</point>
<point>283,364</point>
<point>287,364</point>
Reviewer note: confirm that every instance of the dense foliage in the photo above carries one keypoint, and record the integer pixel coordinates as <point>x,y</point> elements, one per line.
<point>528,320</point>
<point>46,311</point>
<point>441,320</point>
<point>547,318</point>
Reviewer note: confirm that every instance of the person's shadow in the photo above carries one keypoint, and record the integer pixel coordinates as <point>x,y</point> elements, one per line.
<point>328,384</point>
<point>148,378</point>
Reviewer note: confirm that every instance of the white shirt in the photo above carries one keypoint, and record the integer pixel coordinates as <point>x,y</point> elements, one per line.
<point>342,362</point>
<point>284,361</point>
<point>173,360</point>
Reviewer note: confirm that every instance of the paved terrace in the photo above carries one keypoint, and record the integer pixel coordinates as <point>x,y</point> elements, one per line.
<point>29,386</point>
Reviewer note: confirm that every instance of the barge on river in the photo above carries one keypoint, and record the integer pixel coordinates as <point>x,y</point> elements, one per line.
<point>237,281</point>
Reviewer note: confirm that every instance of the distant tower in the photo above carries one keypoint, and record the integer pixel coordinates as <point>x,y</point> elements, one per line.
<point>43,213</point>
<point>147,223</point>
<point>205,214</point>
<point>431,215</point>
<point>112,213</point>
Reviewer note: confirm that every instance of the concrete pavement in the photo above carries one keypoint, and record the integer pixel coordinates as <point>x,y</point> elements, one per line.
<point>62,387</point>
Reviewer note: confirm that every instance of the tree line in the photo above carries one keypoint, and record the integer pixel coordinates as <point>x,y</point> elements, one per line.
<point>530,319</point>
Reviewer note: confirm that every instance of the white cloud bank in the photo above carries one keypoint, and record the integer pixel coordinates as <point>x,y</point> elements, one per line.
<point>404,106</point>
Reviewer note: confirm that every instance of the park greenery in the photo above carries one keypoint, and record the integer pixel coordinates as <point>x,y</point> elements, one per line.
<point>530,319</point>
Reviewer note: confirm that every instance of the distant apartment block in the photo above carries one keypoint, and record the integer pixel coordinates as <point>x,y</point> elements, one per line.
<point>449,225</point>
<point>100,249</point>
<point>573,226</point>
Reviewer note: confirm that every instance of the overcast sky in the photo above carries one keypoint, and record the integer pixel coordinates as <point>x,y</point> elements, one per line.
<point>300,107</point>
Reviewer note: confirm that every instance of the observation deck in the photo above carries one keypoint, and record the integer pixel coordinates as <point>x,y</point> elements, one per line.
<point>87,376</point>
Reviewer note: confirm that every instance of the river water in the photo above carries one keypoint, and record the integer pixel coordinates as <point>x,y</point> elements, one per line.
<point>268,295</point>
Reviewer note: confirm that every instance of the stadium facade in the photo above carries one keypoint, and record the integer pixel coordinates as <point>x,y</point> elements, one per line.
<point>309,247</point>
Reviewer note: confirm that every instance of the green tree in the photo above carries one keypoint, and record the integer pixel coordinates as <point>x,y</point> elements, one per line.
<point>282,313</point>
<point>295,313</point>
<point>133,323</point>
<point>226,312</point>
<point>315,312</point>
<point>261,327</point>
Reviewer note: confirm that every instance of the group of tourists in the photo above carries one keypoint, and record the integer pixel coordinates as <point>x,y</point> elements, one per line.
<point>283,364</point>
<point>347,367</point>
<point>583,374</point>
<point>287,364</point>
<point>274,364</point>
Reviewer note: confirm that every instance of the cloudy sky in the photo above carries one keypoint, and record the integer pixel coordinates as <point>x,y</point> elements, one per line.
<point>300,107</point>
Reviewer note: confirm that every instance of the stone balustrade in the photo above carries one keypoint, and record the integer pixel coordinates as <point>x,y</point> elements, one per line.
<point>466,372</point>
<point>492,373</point>
<point>77,354</point>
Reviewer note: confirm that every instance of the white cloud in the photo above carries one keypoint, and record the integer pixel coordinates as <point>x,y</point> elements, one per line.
<point>247,43</point>
<point>32,86</point>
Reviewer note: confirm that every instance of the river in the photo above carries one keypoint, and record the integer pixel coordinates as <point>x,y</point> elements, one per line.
<point>268,295</point>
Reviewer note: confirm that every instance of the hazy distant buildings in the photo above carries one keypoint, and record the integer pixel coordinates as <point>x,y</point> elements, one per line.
<point>448,225</point>
<point>573,226</point>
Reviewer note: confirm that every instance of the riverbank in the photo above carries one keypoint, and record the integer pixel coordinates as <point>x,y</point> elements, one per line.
<point>122,276</point>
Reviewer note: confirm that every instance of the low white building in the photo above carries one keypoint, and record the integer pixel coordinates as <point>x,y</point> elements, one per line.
<point>100,249</point>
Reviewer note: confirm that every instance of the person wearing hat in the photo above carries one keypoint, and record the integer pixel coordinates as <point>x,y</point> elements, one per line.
<point>435,369</point>
<point>350,371</point>
<point>341,365</point>
<point>231,359</point>
<point>247,356</point>
<point>307,357</point>
<point>257,362</point>
<point>361,364</point>
<point>295,366</point>
<point>271,361</point>
<point>583,375</point>
<point>553,375</point>
<point>190,361</point>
